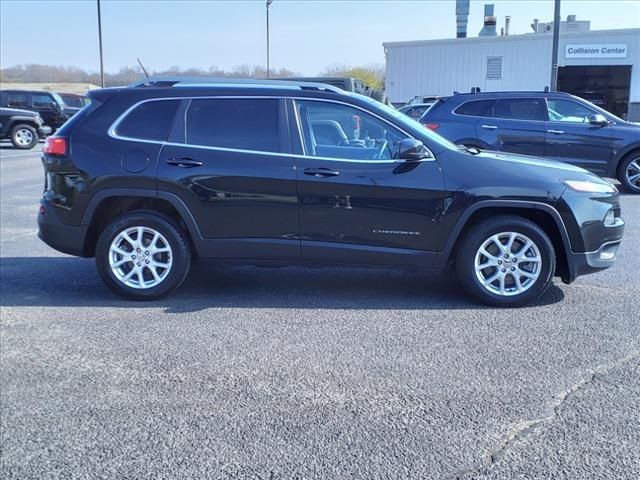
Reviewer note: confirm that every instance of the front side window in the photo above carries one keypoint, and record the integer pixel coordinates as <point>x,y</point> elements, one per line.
<point>335,130</point>
<point>476,108</point>
<point>42,101</point>
<point>521,109</point>
<point>568,111</point>
<point>149,121</point>
<point>237,123</point>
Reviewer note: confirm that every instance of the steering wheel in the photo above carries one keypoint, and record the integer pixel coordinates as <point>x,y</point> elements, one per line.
<point>381,149</point>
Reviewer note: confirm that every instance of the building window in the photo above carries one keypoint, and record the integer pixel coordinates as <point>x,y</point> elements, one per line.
<point>494,68</point>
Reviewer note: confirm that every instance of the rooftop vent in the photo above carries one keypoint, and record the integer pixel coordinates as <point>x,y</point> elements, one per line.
<point>462,17</point>
<point>489,29</point>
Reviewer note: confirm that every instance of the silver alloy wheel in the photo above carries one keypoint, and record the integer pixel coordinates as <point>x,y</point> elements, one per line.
<point>24,137</point>
<point>633,173</point>
<point>508,264</point>
<point>140,257</point>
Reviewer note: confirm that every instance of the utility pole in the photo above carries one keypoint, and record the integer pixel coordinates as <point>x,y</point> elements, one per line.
<point>269,2</point>
<point>556,41</point>
<point>100,46</point>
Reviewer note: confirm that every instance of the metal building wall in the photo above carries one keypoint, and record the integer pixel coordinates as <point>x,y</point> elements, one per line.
<point>438,67</point>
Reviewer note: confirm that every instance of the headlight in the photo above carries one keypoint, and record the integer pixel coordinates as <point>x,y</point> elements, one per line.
<point>590,187</point>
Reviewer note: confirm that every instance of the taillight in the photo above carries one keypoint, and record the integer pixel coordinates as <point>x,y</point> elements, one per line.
<point>431,126</point>
<point>55,146</point>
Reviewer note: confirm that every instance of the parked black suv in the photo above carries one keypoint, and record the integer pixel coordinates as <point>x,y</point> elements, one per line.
<point>22,127</point>
<point>148,177</point>
<point>49,105</point>
<point>553,125</point>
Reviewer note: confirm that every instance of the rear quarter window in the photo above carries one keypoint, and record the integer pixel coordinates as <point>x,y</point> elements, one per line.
<point>151,120</point>
<point>476,108</point>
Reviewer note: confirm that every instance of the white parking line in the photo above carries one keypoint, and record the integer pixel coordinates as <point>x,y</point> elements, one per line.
<point>2,155</point>
<point>22,235</point>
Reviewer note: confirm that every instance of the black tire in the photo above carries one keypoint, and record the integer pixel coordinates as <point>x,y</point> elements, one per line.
<point>626,169</point>
<point>179,255</point>
<point>476,237</point>
<point>21,134</point>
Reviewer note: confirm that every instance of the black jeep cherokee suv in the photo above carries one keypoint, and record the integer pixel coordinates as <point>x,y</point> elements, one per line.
<point>148,177</point>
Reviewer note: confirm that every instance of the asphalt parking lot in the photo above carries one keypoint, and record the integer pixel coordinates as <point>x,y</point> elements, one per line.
<point>248,373</point>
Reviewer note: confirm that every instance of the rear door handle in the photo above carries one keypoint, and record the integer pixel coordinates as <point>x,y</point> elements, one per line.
<point>557,132</point>
<point>489,127</point>
<point>184,162</point>
<point>321,172</point>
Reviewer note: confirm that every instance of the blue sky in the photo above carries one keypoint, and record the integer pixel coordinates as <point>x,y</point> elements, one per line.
<point>306,35</point>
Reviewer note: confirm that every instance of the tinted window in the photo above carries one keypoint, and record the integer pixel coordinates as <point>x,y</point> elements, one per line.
<point>417,112</point>
<point>568,111</point>
<point>338,131</point>
<point>476,108</point>
<point>246,124</point>
<point>17,100</point>
<point>42,101</point>
<point>72,100</point>
<point>521,108</point>
<point>149,121</point>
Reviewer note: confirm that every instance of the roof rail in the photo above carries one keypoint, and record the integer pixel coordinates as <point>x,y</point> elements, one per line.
<point>160,82</point>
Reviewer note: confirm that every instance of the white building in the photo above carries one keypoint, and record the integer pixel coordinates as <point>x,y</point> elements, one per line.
<point>603,61</point>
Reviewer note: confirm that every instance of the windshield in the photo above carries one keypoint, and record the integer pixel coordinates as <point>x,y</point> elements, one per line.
<point>403,121</point>
<point>58,99</point>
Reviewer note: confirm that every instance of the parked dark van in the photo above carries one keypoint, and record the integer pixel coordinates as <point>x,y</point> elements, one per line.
<point>551,125</point>
<point>150,177</point>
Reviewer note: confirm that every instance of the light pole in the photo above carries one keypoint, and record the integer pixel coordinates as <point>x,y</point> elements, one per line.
<point>554,53</point>
<point>269,2</point>
<point>100,46</point>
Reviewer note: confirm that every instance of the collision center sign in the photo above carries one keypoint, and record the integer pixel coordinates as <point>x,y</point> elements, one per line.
<point>611,50</point>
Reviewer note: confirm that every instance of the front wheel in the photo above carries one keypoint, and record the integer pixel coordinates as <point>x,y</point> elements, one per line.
<point>142,256</point>
<point>630,173</point>
<point>24,137</point>
<point>506,261</point>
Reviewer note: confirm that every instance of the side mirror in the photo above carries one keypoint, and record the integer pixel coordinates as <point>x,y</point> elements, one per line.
<point>598,119</point>
<point>412,150</point>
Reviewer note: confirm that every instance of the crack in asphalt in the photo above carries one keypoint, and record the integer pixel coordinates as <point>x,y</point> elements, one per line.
<point>524,427</point>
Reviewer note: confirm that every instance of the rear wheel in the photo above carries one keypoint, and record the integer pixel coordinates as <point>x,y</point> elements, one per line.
<point>24,137</point>
<point>506,261</point>
<point>629,174</point>
<point>142,256</point>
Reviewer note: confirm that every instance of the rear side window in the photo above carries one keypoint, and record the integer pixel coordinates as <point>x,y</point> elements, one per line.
<point>521,108</point>
<point>476,108</point>
<point>149,120</point>
<point>17,100</point>
<point>244,124</point>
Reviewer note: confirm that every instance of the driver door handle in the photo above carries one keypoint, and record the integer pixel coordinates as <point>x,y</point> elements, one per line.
<point>321,172</point>
<point>489,127</point>
<point>184,162</point>
<point>557,132</point>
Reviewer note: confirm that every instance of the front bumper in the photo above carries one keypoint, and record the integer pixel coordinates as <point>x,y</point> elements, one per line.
<point>592,243</point>
<point>44,131</point>
<point>68,239</point>
<point>591,262</point>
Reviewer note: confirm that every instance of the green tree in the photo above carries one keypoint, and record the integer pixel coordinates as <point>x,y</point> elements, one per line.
<point>372,75</point>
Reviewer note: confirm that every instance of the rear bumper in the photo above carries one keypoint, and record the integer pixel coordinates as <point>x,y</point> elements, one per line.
<point>68,239</point>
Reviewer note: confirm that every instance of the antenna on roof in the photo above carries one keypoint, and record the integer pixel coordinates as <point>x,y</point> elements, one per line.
<point>142,67</point>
